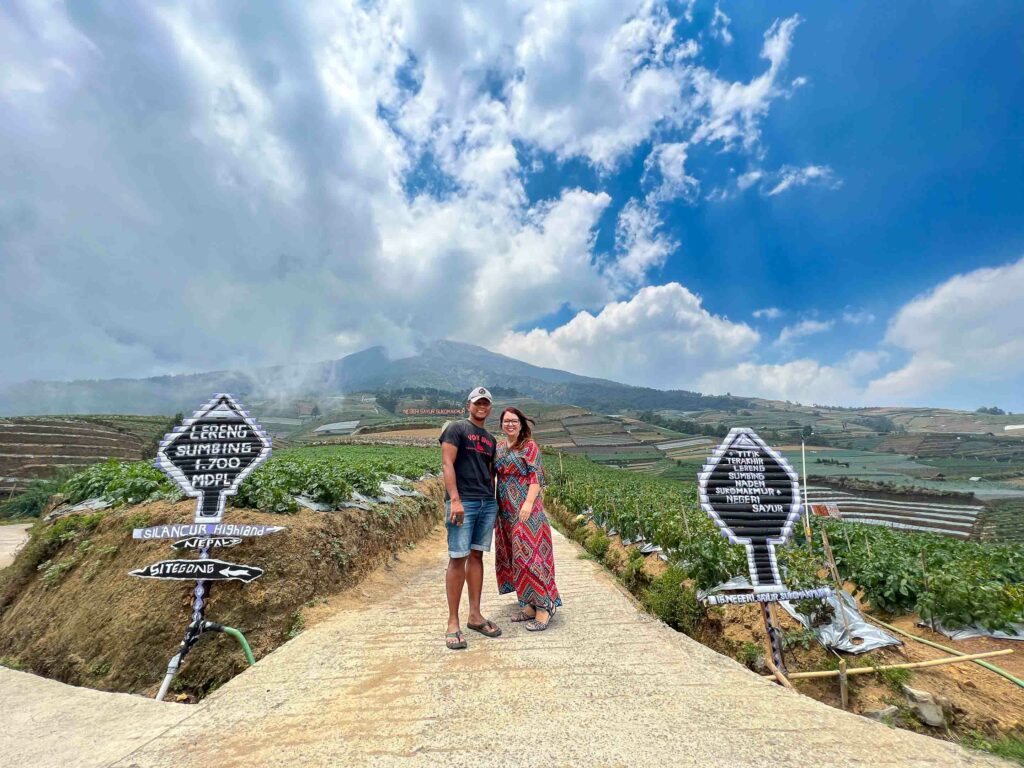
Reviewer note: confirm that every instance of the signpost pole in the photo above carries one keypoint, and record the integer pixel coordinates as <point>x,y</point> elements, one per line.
<point>807,515</point>
<point>774,638</point>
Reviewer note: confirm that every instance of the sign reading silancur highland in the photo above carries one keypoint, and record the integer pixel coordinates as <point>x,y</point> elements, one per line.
<point>208,456</point>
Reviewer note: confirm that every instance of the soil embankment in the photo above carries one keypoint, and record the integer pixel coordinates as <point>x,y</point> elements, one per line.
<point>70,611</point>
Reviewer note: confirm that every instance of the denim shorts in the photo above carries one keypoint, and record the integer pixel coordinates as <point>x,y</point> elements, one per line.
<point>476,529</point>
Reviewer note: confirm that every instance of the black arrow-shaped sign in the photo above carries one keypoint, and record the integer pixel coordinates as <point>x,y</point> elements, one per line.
<point>195,570</point>
<point>752,494</point>
<point>211,453</point>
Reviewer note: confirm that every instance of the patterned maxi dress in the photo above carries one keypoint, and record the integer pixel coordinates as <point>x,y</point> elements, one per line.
<point>524,558</point>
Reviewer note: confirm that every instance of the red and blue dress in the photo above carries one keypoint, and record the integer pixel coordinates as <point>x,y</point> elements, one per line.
<point>524,559</point>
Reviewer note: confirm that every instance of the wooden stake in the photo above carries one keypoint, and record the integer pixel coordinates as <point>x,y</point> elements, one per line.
<point>844,691</point>
<point>910,665</point>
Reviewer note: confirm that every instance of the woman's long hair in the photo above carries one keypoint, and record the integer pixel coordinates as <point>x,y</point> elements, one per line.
<point>525,433</point>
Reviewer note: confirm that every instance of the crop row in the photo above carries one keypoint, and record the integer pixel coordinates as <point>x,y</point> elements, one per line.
<point>954,582</point>
<point>328,475</point>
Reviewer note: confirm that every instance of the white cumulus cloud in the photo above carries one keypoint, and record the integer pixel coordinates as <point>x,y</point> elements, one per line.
<point>662,337</point>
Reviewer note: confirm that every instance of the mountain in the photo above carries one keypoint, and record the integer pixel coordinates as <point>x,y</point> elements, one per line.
<point>446,365</point>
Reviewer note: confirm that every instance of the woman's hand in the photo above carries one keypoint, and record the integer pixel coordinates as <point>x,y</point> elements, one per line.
<point>525,511</point>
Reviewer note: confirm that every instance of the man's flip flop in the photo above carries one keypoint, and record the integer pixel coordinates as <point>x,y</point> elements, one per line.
<point>460,641</point>
<point>488,628</point>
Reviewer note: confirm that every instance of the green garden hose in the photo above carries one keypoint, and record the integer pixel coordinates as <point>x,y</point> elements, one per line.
<point>985,664</point>
<point>211,626</point>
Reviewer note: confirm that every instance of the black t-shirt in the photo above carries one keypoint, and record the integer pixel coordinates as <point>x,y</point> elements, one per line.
<point>473,461</point>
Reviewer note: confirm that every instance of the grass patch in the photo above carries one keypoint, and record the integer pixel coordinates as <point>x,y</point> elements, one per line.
<point>895,678</point>
<point>1010,747</point>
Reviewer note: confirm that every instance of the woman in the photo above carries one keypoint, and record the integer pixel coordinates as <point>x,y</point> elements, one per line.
<point>523,557</point>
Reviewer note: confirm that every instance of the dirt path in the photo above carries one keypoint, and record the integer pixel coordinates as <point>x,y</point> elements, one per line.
<point>371,684</point>
<point>11,537</point>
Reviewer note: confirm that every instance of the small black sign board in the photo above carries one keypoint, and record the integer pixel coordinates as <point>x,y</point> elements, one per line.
<point>752,494</point>
<point>211,453</point>
<point>192,570</point>
<point>207,542</point>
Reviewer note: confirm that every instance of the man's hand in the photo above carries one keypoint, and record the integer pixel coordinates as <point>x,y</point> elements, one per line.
<point>525,511</point>
<point>458,513</point>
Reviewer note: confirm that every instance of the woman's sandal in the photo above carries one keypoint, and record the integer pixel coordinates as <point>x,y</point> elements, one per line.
<point>487,629</point>
<point>460,641</point>
<point>539,626</point>
<point>524,616</point>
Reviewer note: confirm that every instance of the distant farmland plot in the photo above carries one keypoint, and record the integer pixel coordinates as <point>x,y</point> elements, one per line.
<point>32,448</point>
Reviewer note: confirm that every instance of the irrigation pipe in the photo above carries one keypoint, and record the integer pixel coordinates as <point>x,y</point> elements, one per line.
<point>213,627</point>
<point>985,664</point>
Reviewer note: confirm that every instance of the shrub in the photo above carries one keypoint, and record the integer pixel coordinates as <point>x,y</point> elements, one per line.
<point>674,602</point>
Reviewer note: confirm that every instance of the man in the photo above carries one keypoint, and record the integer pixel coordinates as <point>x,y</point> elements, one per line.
<point>467,460</point>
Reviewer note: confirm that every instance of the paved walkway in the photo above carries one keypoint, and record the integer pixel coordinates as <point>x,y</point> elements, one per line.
<point>11,539</point>
<point>372,685</point>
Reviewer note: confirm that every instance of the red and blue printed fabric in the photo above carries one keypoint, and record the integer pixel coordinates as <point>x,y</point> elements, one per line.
<point>524,559</point>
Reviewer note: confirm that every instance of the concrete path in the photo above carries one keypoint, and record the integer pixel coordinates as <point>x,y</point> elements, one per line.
<point>373,685</point>
<point>11,538</point>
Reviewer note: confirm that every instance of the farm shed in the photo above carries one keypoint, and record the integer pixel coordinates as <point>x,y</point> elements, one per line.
<point>338,428</point>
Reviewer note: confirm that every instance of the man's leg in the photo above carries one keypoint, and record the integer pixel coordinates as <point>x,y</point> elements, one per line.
<point>475,582</point>
<point>454,578</point>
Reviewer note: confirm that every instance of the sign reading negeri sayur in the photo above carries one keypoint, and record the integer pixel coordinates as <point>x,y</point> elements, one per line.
<point>753,495</point>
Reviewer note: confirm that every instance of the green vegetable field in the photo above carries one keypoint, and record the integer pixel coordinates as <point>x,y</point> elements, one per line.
<point>953,582</point>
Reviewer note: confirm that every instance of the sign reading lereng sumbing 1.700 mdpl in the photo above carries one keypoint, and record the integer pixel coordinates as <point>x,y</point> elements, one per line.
<point>210,454</point>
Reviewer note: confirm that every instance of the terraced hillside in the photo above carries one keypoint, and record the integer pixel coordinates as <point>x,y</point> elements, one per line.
<point>37,447</point>
<point>959,520</point>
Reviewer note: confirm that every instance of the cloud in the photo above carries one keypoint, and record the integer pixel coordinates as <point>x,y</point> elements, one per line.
<point>186,188</point>
<point>668,162</point>
<point>789,177</point>
<point>804,328</point>
<point>734,109</point>
<point>661,337</point>
<point>720,26</point>
<point>967,331</point>
<point>639,246</point>
<point>767,313</point>
<point>858,317</point>
<point>803,381</point>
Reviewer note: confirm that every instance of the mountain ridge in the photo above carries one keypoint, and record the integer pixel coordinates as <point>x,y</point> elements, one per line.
<point>444,364</point>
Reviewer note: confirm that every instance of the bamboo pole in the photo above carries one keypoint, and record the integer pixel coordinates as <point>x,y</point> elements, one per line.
<point>947,649</point>
<point>844,690</point>
<point>910,665</point>
<point>807,513</point>
<point>779,677</point>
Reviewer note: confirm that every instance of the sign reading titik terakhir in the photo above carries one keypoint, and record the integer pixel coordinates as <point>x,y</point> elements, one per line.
<point>208,456</point>
<point>753,495</point>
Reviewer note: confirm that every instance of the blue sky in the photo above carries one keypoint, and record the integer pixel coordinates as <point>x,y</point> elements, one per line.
<point>809,201</point>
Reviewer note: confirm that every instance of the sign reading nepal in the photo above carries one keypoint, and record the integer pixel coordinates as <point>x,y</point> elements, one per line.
<point>210,454</point>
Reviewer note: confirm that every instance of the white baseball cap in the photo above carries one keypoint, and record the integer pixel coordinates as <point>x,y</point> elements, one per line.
<point>479,394</point>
